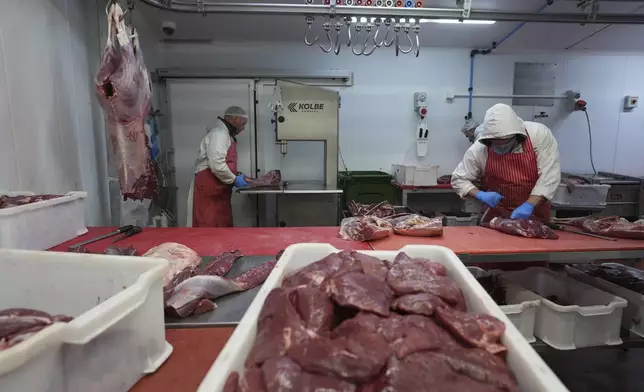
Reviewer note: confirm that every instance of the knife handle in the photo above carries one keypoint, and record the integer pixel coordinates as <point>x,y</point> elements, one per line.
<point>124,229</point>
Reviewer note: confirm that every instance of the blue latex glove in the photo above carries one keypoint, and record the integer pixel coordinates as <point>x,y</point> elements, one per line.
<point>240,181</point>
<point>524,211</point>
<point>489,198</point>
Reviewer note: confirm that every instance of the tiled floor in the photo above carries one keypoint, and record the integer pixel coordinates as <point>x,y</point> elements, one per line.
<point>599,370</point>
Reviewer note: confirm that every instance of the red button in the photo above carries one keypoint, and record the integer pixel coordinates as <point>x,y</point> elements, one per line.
<point>423,111</point>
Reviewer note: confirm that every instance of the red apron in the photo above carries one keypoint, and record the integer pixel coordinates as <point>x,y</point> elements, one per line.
<point>514,175</point>
<point>212,206</point>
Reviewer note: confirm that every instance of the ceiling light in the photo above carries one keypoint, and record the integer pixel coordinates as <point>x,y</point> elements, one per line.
<point>456,21</point>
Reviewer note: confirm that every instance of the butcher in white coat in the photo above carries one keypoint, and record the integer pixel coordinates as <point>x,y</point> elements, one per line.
<point>216,171</point>
<point>517,163</point>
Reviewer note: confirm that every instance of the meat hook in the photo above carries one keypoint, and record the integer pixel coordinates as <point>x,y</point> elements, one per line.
<point>338,29</point>
<point>384,41</point>
<point>416,32</point>
<point>377,24</point>
<point>309,22</point>
<point>358,32</point>
<point>368,29</point>
<point>327,28</point>
<point>348,21</point>
<point>397,39</point>
<point>407,29</point>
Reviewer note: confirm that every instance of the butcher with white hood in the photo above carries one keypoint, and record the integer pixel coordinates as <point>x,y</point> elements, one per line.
<point>517,163</point>
<point>216,171</point>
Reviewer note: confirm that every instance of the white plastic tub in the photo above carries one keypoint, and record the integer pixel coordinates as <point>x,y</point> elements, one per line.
<point>415,175</point>
<point>521,306</point>
<point>42,225</point>
<point>117,334</point>
<point>592,318</point>
<point>532,373</point>
<point>582,195</point>
<point>633,315</point>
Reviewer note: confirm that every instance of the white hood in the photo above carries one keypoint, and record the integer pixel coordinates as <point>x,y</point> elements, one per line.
<point>501,121</point>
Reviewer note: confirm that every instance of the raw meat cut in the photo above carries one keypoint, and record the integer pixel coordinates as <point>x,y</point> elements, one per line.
<point>363,322</point>
<point>315,383</point>
<point>406,336</point>
<point>316,273</point>
<point>188,295</point>
<point>408,267</point>
<point>360,291</point>
<point>444,180</point>
<point>184,274</point>
<point>220,265</point>
<point>252,381</point>
<point>414,225</point>
<point>499,219</point>
<point>571,182</point>
<point>630,278</point>
<point>178,256</point>
<point>279,326</point>
<point>529,228</point>
<point>231,382</point>
<point>271,179</point>
<point>17,201</point>
<point>281,374</point>
<point>379,210</point>
<point>422,304</point>
<point>124,91</point>
<point>314,307</point>
<point>482,366</point>
<point>610,226</point>
<point>19,324</point>
<point>356,358</point>
<point>364,228</point>
<point>479,330</point>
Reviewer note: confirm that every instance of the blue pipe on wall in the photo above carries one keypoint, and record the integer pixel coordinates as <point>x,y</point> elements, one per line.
<point>495,45</point>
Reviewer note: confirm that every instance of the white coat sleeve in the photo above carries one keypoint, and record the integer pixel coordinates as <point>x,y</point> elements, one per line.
<point>548,166</point>
<point>217,151</point>
<point>466,172</point>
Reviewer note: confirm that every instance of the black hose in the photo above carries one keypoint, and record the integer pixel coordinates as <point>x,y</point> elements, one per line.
<point>590,138</point>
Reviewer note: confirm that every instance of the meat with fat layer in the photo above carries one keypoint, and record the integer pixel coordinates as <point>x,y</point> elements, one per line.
<point>19,324</point>
<point>314,307</point>
<point>478,330</point>
<point>221,264</point>
<point>415,225</point>
<point>364,228</point>
<point>423,304</point>
<point>379,210</point>
<point>611,226</point>
<point>17,201</point>
<point>529,228</point>
<point>271,179</point>
<point>178,256</point>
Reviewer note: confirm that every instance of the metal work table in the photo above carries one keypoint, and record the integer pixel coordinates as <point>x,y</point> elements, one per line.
<point>230,308</point>
<point>297,188</point>
<point>406,190</point>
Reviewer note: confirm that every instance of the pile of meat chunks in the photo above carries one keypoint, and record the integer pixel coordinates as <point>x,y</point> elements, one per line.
<point>352,322</point>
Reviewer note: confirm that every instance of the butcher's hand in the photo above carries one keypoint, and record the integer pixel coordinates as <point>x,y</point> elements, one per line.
<point>489,198</point>
<point>240,181</point>
<point>524,211</point>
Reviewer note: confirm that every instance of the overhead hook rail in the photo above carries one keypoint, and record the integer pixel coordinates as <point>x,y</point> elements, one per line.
<point>407,30</point>
<point>357,40</point>
<point>309,22</point>
<point>384,41</point>
<point>368,29</point>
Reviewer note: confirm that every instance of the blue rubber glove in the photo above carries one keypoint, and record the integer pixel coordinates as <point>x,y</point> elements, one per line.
<point>489,198</point>
<point>240,181</point>
<point>524,211</point>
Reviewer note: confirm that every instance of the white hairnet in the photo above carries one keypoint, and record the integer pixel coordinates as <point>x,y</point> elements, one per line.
<point>236,111</point>
<point>500,122</point>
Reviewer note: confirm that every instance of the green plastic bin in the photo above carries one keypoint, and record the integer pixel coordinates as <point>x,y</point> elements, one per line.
<point>366,187</point>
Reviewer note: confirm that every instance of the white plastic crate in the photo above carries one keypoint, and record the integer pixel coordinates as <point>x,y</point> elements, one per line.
<point>117,334</point>
<point>633,315</point>
<point>42,225</point>
<point>415,175</point>
<point>521,306</point>
<point>582,195</point>
<point>531,372</point>
<point>587,316</point>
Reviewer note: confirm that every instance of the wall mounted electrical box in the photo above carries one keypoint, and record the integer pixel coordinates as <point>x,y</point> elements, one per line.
<point>630,102</point>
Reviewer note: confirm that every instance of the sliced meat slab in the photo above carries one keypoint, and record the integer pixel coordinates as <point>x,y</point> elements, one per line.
<point>254,276</point>
<point>314,307</point>
<point>252,381</point>
<point>482,366</point>
<point>360,291</point>
<point>221,264</point>
<point>315,383</point>
<point>424,304</point>
<point>478,330</point>
<point>190,292</point>
<point>410,334</point>
<point>442,287</point>
<point>232,382</point>
<point>316,273</point>
<point>281,374</point>
<point>178,256</point>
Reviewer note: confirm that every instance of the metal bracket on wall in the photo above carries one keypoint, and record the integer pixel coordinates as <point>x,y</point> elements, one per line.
<point>467,7</point>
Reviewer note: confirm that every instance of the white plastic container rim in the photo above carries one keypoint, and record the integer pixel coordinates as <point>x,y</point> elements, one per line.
<point>538,376</point>
<point>90,324</point>
<point>71,196</point>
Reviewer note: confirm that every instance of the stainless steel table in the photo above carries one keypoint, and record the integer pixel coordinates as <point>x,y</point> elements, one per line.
<point>297,188</point>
